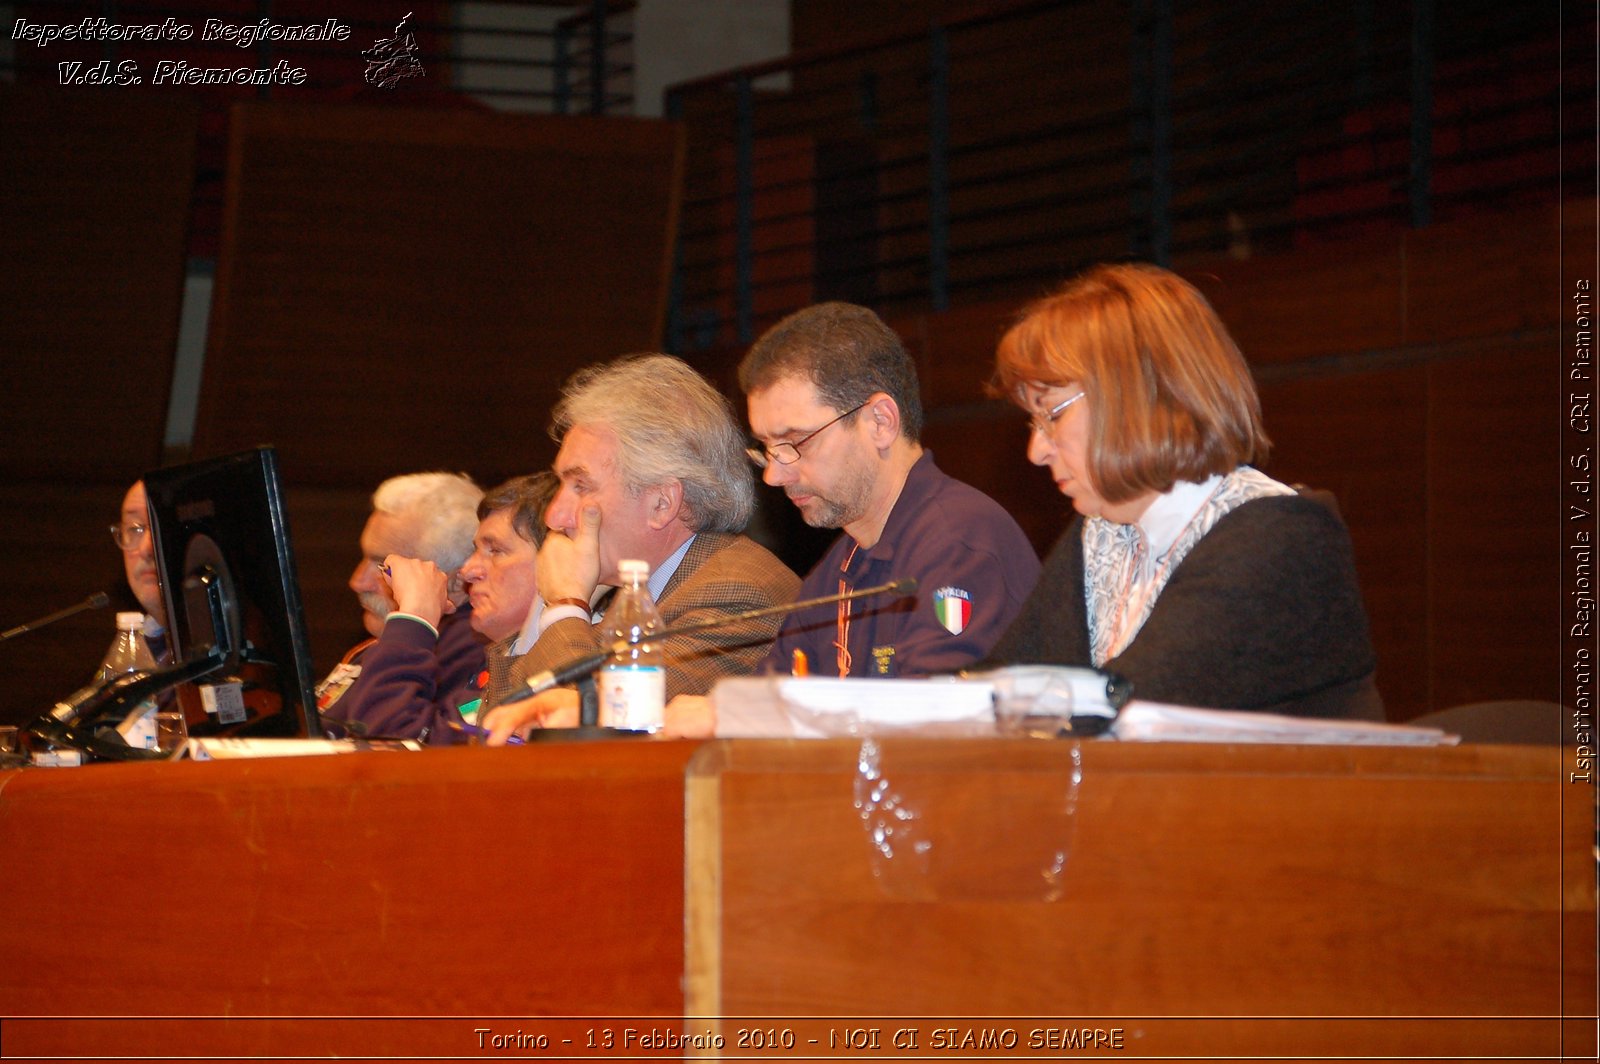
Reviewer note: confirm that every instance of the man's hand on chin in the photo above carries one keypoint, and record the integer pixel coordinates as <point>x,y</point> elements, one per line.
<point>569,563</point>
<point>419,587</point>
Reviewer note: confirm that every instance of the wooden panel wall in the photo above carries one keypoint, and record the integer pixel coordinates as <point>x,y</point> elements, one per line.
<point>407,289</point>
<point>91,265</point>
<point>96,186</point>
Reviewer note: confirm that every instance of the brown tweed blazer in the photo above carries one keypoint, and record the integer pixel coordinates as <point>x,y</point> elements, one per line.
<point>721,573</point>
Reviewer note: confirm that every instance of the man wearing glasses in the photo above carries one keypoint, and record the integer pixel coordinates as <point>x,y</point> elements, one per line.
<point>132,534</point>
<point>835,409</point>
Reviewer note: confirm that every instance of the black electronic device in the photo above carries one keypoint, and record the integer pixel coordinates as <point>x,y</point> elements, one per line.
<point>227,575</point>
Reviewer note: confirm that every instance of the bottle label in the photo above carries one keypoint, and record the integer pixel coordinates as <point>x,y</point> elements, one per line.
<point>138,728</point>
<point>633,697</point>
<point>226,700</point>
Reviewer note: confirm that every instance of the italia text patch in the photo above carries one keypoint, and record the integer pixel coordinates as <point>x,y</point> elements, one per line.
<point>953,607</point>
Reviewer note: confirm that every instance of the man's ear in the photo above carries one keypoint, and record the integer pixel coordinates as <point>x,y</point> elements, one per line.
<point>663,503</point>
<point>884,417</point>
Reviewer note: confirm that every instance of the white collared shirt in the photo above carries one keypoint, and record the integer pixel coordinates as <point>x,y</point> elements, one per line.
<point>1164,520</point>
<point>530,629</point>
<point>1125,567</point>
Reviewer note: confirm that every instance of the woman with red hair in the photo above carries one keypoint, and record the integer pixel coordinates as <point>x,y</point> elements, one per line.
<point>1187,571</point>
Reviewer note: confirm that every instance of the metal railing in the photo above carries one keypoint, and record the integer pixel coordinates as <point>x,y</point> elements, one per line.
<point>594,60</point>
<point>993,153</point>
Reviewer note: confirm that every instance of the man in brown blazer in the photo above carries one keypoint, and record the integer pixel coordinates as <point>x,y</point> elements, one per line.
<point>652,466</point>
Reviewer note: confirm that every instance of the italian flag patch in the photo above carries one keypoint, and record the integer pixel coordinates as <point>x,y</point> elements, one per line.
<point>953,607</point>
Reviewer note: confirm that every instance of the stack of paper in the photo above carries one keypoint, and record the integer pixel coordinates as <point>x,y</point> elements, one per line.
<point>819,706</point>
<point>1154,722</point>
<point>1030,700</point>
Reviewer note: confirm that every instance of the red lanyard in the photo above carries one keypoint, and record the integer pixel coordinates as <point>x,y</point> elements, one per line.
<point>842,642</point>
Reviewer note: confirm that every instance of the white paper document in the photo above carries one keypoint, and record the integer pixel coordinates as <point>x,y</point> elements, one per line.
<point>815,707</point>
<point>1154,722</point>
<point>1030,697</point>
<point>228,749</point>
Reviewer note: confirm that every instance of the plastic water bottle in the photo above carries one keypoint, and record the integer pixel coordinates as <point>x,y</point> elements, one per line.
<point>633,684</point>
<point>130,653</point>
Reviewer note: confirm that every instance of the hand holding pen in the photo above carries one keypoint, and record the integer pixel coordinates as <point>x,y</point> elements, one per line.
<point>478,735</point>
<point>418,587</point>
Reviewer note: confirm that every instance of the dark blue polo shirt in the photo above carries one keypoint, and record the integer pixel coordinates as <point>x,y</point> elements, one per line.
<point>973,567</point>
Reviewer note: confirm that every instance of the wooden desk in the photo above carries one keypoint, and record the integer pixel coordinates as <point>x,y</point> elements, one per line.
<point>497,889</point>
<point>1124,885</point>
<point>460,882</point>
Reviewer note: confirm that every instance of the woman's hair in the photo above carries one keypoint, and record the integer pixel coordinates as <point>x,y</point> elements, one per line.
<point>1170,396</point>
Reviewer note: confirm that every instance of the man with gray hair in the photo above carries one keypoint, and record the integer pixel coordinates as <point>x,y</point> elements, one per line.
<point>651,466</point>
<point>407,681</point>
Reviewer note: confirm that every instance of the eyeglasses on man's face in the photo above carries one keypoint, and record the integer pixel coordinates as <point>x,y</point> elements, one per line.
<point>789,453</point>
<point>1041,423</point>
<point>129,537</point>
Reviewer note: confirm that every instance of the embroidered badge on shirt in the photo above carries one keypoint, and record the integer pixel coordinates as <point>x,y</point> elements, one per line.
<point>337,683</point>
<point>953,607</point>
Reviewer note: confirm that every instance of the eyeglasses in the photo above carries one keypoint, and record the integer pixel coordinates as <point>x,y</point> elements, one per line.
<point>789,453</point>
<point>129,537</point>
<point>1041,423</point>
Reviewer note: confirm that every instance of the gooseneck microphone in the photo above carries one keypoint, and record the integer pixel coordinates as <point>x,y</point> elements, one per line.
<point>97,601</point>
<point>69,722</point>
<point>578,668</point>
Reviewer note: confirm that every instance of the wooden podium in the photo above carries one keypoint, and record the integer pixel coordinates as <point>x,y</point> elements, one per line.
<point>1203,900</point>
<point>616,898</point>
<point>465,882</point>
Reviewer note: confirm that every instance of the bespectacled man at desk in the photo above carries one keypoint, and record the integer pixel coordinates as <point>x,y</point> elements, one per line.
<point>836,412</point>
<point>138,544</point>
<point>132,534</point>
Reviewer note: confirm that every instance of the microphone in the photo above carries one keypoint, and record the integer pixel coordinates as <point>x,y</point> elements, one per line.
<point>69,709</point>
<point>578,668</point>
<point>97,601</point>
<point>561,675</point>
<point>61,723</point>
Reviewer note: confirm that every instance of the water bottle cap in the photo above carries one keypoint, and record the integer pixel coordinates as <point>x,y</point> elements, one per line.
<point>633,567</point>
<point>128,622</point>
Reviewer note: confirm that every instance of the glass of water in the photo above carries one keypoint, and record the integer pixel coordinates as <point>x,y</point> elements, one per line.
<point>172,731</point>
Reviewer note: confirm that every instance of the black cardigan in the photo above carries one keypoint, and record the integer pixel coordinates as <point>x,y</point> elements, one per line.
<point>1263,613</point>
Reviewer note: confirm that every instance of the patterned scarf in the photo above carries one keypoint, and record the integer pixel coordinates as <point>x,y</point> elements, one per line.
<point>1117,589</point>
